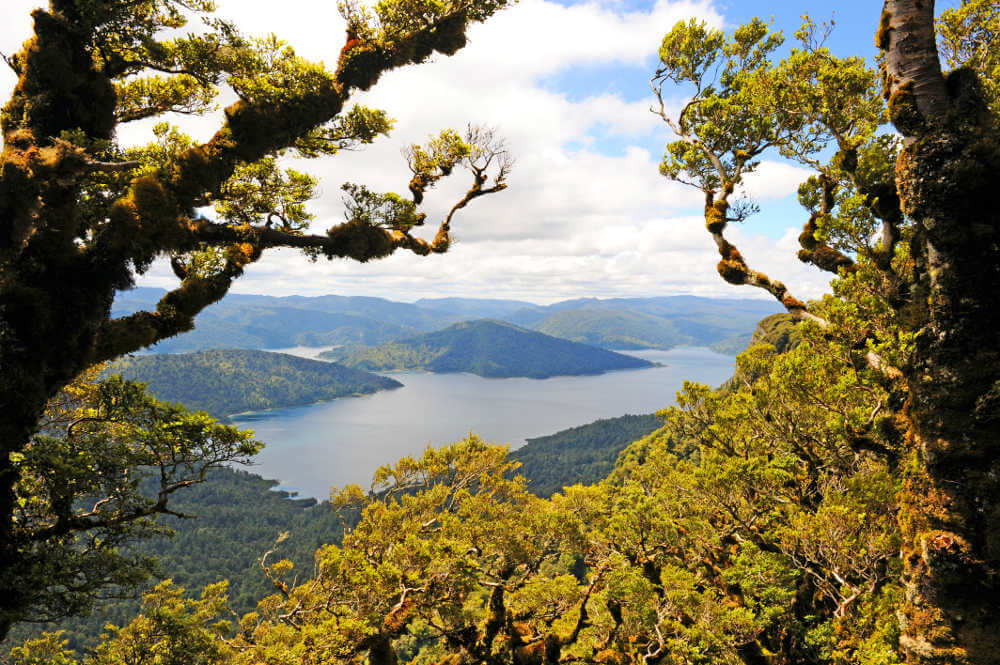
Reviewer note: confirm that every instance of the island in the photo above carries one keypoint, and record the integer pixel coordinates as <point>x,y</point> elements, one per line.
<point>489,348</point>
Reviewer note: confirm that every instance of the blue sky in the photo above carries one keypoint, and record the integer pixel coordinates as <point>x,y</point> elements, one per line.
<point>586,213</point>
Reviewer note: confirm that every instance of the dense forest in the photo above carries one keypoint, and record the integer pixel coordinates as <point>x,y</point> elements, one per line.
<point>225,382</point>
<point>584,454</point>
<point>490,349</point>
<point>235,517</point>
<point>232,520</point>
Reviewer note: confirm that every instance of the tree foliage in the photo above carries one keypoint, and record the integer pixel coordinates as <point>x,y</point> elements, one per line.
<point>103,465</point>
<point>906,223</point>
<point>81,214</point>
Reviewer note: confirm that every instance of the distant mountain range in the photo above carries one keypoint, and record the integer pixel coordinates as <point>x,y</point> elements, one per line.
<point>254,322</point>
<point>488,348</point>
<point>224,382</point>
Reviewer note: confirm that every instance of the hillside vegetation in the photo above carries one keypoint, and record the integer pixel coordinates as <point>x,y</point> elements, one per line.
<point>649,323</point>
<point>224,382</point>
<point>490,349</point>
<point>235,517</point>
<point>584,454</point>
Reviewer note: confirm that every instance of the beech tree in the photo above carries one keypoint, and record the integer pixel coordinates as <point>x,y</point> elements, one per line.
<point>907,223</point>
<point>82,215</point>
<point>103,466</point>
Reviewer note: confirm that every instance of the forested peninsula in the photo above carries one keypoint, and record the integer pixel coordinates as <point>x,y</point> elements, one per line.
<point>488,348</point>
<point>226,382</point>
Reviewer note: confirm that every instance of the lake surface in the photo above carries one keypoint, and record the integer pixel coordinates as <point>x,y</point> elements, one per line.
<point>311,448</point>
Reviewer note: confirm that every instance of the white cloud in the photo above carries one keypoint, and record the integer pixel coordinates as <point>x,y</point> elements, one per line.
<point>579,218</point>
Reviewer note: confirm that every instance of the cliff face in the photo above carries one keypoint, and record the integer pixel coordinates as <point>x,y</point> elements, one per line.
<point>779,330</point>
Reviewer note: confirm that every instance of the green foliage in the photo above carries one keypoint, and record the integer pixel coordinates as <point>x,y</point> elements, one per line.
<point>103,466</point>
<point>359,126</point>
<point>389,210</point>
<point>490,349</point>
<point>726,74</point>
<point>227,382</point>
<point>744,104</point>
<point>170,629</point>
<point>233,519</point>
<point>263,193</point>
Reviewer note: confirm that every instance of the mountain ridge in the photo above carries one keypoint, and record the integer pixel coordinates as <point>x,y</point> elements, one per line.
<point>257,321</point>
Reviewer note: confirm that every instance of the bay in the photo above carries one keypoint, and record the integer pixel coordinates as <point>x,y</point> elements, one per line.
<point>311,448</point>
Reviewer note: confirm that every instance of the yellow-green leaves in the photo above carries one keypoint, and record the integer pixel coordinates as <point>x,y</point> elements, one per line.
<point>721,128</point>
<point>273,74</point>
<point>689,51</point>
<point>104,464</point>
<point>348,131</point>
<point>434,161</point>
<point>49,649</point>
<point>170,629</point>
<point>968,37</point>
<point>153,95</point>
<point>265,193</point>
<point>389,21</point>
<point>389,210</point>
<point>744,103</point>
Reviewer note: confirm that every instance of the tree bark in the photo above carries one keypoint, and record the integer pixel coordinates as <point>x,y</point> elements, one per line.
<point>947,176</point>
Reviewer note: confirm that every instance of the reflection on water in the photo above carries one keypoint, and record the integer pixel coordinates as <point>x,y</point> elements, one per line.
<point>310,448</point>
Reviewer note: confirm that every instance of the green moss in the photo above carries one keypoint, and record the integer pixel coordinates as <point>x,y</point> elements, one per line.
<point>361,67</point>
<point>884,33</point>
<point>450,34</point>
<point>846,160</point>
<point>715,217</point>
<point>903,111</point>
<point>358,240</point>
<point>732,272</point>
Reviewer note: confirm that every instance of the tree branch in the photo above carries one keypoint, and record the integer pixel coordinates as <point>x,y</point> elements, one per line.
<point>914,85</point>
<point>819,253</point>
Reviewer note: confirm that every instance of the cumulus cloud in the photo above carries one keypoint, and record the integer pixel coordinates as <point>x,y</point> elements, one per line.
<point>586,212</point>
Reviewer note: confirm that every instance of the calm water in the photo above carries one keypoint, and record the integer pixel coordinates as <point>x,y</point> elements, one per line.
<point>311,448</point>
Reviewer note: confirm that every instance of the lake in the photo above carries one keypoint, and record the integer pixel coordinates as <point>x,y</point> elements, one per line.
<point>311,448</point>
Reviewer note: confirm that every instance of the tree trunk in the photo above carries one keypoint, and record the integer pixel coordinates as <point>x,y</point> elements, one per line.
<point>947,175</point>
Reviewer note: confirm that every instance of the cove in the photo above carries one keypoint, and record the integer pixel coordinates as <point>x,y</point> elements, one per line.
<point>311,448</point>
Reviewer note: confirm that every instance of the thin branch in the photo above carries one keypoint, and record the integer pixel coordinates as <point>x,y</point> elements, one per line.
<point>11,61</point>
<point>112,166</point>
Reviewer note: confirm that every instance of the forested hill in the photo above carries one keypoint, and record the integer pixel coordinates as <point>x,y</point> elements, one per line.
<point>583,454</point>
<point>488,348</point>
<point>224,382</point>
